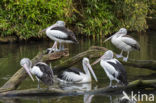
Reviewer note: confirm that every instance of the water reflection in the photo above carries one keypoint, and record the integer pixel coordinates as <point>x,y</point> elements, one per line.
<point>87,98</point>
<point>76,87</point>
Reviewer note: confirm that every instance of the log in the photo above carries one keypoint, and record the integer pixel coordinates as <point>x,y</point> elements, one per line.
<point>8,39</point>
<point>73,60</point>
<point>20,75</point>
<point>146,85</point>
<point>145,64</point>
<point>141,85</point>
<point>38,92</point>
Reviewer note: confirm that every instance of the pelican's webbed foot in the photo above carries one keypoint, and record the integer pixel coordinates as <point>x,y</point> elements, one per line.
<point>125,59</point>
<point>119,56</point>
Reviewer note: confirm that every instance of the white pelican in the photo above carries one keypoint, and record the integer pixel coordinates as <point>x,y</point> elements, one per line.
<point>74,75</point>
<point>124,42</point>
<point>113,68</point>
<point>59,33</point>
<point>41,70</point>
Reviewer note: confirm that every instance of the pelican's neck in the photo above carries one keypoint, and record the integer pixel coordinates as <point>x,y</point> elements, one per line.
<point>52,26</point>
<point>85,68</point>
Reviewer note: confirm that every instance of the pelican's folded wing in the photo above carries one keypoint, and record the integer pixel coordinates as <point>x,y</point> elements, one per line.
<point>130,41</point>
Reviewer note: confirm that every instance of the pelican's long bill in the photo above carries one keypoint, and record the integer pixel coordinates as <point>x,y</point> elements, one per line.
<point>44,30</point>
<point>108,38</point>
<point>96,61</point>
<point>91,70</point>
<point>28,71</point>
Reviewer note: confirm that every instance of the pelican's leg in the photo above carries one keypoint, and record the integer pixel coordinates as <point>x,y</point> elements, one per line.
<point>38,86</point>
<point>119,55</point>
<point>110,85</point>
<point>62,47</point>
<point>126,58</point>
<point>54,47</point>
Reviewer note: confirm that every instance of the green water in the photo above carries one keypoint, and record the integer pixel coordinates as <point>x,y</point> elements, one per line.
<point>10,55</point>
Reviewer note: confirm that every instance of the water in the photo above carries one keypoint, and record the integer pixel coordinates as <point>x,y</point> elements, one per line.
<point>11,54</point>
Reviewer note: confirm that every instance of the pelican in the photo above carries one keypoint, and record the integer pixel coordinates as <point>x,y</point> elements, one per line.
<point>74,75</point>
<point>113,68</point>
<point>41,70</point>
<point>124,42</point>
<point>59,33</point>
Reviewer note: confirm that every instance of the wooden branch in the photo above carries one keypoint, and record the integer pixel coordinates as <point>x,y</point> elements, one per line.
<point>148,85</point>
<point>20,75</point>
<point>146,64</point>
<point>73,60</point>
<point>96,52</point>
<point>134,85</point>
<point>38,92</point>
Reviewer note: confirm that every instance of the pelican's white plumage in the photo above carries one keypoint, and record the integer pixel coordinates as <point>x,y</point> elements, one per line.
<point>59,33</point>
<point>74,75</point>
<point>124,42</point>
<point>113,68</point>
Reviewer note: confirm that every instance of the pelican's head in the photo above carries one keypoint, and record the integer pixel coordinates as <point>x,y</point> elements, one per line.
<point>85,62</point>
<point>26,64</point>
<point>107,56</point>
<point>60,23</point>
<point>122,31</point>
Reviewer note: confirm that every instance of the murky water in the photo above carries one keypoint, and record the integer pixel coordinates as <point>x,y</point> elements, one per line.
<point>11,54</point>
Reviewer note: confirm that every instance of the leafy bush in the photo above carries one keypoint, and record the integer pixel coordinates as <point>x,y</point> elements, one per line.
<point>25,18</point>
<point>102,17</point>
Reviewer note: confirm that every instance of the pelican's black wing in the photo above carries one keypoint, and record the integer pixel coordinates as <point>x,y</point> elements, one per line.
<point>47,77</point>
<point>122,76</point>
<point>70,34</point>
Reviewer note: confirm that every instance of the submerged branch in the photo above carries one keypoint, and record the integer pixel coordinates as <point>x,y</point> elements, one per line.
<point>148,85</point>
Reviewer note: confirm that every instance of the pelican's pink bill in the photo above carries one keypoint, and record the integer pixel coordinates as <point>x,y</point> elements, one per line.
<point>28,71</point>
<point>108,38</point>
<point>91,70</point>
<point>96,61</point>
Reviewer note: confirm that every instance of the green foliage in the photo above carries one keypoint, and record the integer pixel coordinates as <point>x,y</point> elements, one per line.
<point>132,14</point>
<point>98,18</point>
<point>25,18</point>
<point>102,17</point>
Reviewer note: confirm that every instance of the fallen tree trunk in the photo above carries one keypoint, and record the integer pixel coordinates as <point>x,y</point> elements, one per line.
<point>146,64</point>
<point>20,75</point>
<point>149,85</point>
<point>96,52</point>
